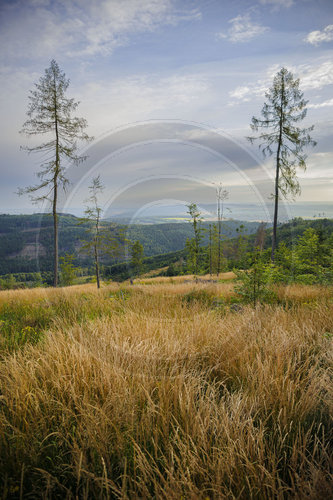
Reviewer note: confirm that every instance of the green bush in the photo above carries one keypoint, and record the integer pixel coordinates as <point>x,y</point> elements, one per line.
<point>254,283</point>
<point>306,279</point>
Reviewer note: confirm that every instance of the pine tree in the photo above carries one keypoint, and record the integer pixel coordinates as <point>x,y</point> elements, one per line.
<point>50,112</point>
<point>285,107</point>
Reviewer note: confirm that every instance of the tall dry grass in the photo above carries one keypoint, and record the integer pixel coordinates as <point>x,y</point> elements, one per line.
<point>155,396</point>
<point>188,278</point>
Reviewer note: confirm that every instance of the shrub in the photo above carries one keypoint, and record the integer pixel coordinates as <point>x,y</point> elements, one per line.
<point>254,283</point>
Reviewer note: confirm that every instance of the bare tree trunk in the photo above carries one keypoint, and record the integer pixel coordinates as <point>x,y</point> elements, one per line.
<point>219,235</point>
<point>55,234</point>
<point>276,205</point>
<point>96,249</point>
<point>55,190</point>
<point>210,250</point>
<point>276,195</point>
<point>196,248</point>
<point>97,266</point>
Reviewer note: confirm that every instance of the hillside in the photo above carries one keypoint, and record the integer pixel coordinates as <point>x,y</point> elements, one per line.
<point>26,240</point>
<point>26,245</point>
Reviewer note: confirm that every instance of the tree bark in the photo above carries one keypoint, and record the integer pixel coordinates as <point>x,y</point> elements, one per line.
<point>210,250</point>
<point>97,266</point>
<point>276,204</point>
<point>55,190</point>
<point>55,234</point>
<point>277,174</point>
<point>96,248</point>
<point>219,236</point>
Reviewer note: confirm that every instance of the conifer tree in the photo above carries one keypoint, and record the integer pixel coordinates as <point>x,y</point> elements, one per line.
<point>50,113</point>
<point>285,107</point>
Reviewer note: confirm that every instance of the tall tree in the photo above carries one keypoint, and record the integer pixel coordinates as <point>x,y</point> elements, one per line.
<point>285,107</point>
<point>50,112</point>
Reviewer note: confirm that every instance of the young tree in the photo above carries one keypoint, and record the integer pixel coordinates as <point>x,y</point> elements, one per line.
<point>93,213</point>
<point>285,107</point>
<point>136,257</point>
<point>103,239</point>
<point>193,244</point>
<point>307,253</point>
<point>253,283</point>
<point>241,245</point>
<point>50,112</point>
<point>284,268</point>
<point>221,196</point>
<point>68,270</point>
<point>213,250</point>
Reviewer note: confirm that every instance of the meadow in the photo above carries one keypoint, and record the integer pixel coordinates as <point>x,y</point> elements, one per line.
<point>166,389</point>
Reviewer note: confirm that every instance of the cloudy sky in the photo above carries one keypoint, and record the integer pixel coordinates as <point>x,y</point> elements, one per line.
<point>154,75</point>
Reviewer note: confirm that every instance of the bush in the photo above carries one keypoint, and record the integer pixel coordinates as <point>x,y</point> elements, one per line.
<point>306,279</point>
<point>254,283</point>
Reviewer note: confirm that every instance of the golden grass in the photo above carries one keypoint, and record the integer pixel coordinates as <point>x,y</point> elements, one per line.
<point>158,397</point>
<point>188,278</point>
<point>304,293</point>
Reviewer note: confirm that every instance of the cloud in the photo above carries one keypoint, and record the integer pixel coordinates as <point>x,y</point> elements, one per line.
<point>140,97</point>
<point>243,93</point>
<point>321,104</point>
<point>242,29</point>
<point>315,77</point>
<point>317,37</point>
<point>319,165</point>
<point>311,76</point>
<point>36,28</point>
<point>278,3</point>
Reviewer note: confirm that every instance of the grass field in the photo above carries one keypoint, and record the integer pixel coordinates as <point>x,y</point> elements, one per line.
<point>165,391</point>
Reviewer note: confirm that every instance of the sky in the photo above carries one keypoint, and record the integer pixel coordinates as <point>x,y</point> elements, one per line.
<point>168,89</point>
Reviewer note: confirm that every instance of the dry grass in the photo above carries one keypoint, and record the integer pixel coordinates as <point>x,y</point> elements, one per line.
<point>304,293</point>
<point>188,278</point>
<point>155,396</point>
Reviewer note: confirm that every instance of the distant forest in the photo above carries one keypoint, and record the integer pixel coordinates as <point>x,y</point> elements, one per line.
<point>22,237</point>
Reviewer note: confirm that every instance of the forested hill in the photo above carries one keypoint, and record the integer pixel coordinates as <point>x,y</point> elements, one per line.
<point>24,237</point>
<point>237,252</point>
